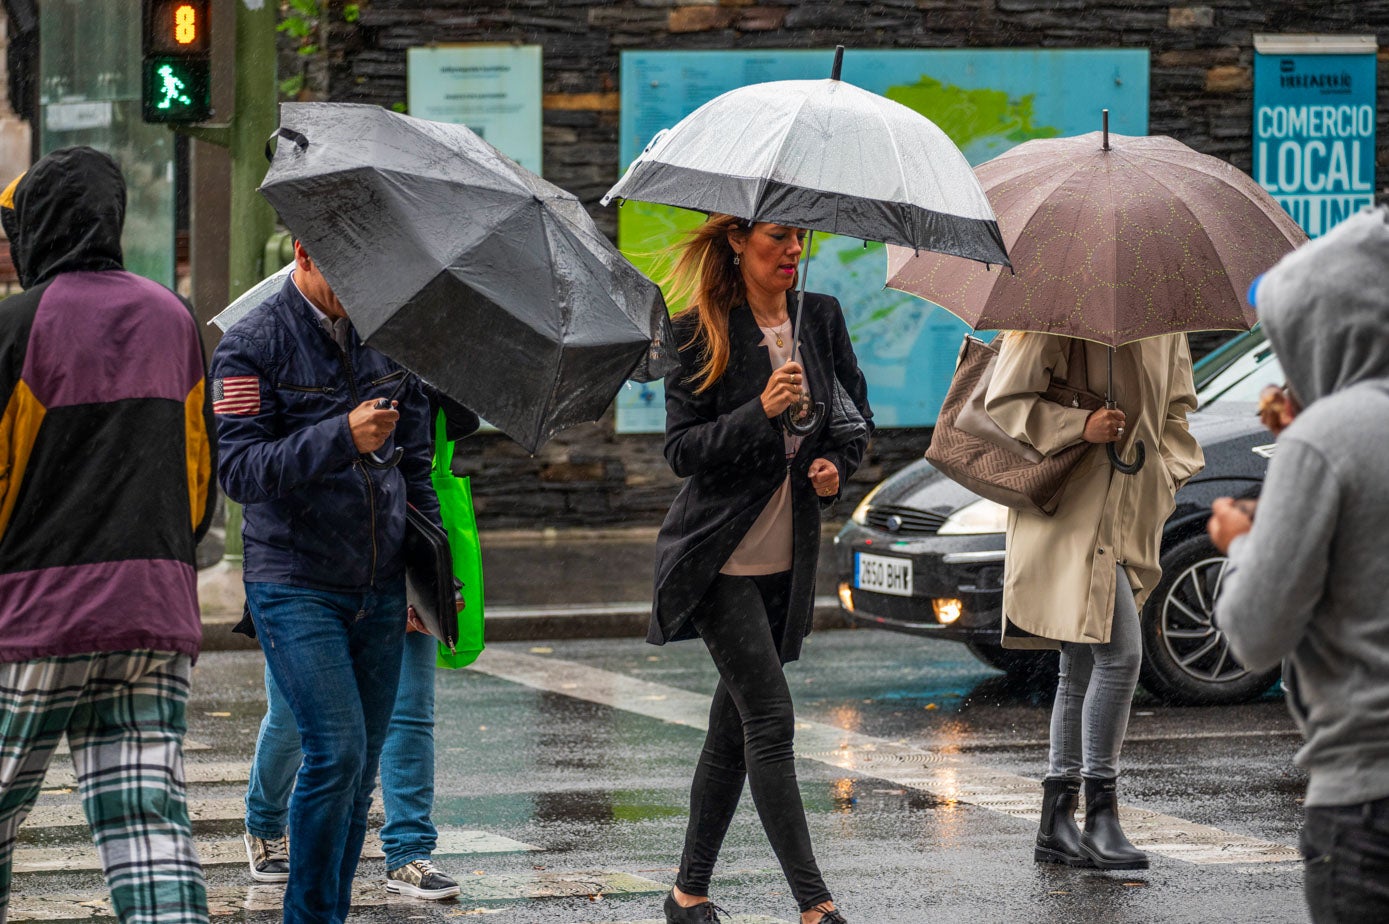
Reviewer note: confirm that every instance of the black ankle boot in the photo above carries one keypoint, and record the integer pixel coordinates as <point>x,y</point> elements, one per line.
<point>1103,841</point>
<point>1058,838</point>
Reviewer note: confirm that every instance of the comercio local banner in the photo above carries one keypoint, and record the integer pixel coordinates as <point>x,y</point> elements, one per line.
<point>986,100</point>
<point>1314,125</point>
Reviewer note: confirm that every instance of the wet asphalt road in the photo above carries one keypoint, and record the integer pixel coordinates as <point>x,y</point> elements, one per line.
<point>603,788</point>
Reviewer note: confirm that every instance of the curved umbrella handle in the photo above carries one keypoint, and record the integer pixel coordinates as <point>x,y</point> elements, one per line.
<point>806,425</point>
<point>299,139</point>
<point>1127,468</point>
<point>372,460</point>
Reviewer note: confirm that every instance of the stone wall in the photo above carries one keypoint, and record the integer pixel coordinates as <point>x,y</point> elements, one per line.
<point>1201,94</point>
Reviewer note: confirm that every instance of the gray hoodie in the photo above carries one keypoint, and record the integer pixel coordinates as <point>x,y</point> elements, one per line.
<point>1309,585</point>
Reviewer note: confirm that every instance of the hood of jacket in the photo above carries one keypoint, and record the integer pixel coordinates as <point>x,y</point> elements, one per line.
<point>1325,307</point>
<point>65,215</point>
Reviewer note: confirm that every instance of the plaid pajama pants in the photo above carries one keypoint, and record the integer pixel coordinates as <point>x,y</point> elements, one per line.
<point>123,713</point>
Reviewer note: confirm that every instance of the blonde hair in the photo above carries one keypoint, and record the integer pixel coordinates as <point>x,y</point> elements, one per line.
<point>705,284</point>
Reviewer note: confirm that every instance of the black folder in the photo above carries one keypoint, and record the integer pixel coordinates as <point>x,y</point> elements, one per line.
<point>430,585</point>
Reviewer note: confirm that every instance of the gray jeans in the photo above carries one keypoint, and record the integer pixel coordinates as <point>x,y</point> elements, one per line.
<point>1093,693</point>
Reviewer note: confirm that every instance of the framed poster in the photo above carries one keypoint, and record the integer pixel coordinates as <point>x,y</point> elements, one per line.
<point>986,100</point>
<point>1314,125</point>
<point>495,90</point>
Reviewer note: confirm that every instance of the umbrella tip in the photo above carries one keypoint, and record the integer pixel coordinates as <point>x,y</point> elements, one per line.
<point>838,62</point>
<point>1105,114</point>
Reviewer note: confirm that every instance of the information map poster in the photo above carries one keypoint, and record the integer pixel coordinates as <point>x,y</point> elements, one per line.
<point>987,101</point>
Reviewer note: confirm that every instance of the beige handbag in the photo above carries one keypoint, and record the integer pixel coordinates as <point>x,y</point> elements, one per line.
<point>969,448</point>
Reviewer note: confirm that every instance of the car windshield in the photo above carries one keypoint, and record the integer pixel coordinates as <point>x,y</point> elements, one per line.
<point>1242,378</point>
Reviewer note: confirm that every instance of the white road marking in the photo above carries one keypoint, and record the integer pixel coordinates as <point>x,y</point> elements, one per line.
<point>944,776</point>
<point>232,852</point>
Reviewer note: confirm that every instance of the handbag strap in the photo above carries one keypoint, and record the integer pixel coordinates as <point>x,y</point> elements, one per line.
<point>1076,362</point>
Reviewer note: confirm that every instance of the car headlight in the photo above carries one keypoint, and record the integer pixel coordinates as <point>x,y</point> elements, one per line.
<point>982,516</point>
<point>860,515</point>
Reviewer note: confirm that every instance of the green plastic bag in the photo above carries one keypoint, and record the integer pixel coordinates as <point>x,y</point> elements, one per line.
<point>456,509</point>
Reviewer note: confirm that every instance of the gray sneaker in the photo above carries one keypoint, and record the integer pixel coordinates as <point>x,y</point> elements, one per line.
<point>421,879</point>
<point>268,856</point>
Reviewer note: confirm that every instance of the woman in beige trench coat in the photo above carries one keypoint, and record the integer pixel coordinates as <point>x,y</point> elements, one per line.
<point>1076,580</point>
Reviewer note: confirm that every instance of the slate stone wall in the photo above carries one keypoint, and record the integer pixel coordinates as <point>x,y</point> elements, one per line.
<point>1201,94</point>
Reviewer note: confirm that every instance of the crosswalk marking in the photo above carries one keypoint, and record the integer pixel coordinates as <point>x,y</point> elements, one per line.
<point>490,889</point>
<point>53,817</point>
<point>232,852</point>
<point>945,776</point>
<point>63,777</point>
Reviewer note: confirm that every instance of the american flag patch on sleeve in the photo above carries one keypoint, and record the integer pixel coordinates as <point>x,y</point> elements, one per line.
<point>237,394</point>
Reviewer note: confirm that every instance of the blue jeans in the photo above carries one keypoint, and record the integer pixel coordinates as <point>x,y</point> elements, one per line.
<point>407,761</point>
<point>336,659</point>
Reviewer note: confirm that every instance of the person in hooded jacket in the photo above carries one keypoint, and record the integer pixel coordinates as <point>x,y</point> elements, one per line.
<point>106,490</point>
<point>1077,580</point>
<point>1307,575</point>
<point>737,552</point>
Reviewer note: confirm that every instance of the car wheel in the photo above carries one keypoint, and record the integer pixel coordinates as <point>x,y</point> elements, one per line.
<point>1016,662</point>
<point>1186,660</point>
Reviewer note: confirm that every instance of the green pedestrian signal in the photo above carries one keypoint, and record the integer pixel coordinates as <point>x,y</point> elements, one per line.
<point>176,82</point>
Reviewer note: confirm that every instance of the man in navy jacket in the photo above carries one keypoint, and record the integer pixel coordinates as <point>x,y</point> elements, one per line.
<point>307,451</point>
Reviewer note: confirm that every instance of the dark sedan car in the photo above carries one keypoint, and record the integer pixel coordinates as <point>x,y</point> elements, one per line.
<point>924,555</point>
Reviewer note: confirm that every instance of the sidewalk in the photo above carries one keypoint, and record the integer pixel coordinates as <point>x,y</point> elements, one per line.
<point>538,584</point>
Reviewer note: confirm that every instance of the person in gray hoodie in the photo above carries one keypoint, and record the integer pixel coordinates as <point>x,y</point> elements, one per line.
<point>1308,579</point>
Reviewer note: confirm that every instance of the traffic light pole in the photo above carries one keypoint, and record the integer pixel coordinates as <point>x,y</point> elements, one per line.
<point>254,119</point>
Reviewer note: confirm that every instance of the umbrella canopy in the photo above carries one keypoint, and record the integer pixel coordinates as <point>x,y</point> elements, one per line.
<point>489,282</point>
<point>822,155</point>
<point>252,297</point>
<point>1113,239</point>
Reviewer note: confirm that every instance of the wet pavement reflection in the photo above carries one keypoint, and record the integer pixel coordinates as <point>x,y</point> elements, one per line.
<point>912,759</point>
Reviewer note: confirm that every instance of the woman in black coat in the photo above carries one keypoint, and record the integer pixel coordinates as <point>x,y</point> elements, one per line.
<point>737,553</point>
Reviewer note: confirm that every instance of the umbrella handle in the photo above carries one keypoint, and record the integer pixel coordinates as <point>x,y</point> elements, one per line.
<point>1127,468</point>
<point>299,139</point>
<point>372,460</point>
<point>805,426</point>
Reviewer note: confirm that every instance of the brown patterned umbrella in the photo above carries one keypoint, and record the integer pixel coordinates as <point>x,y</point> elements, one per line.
<point>1113,242</point>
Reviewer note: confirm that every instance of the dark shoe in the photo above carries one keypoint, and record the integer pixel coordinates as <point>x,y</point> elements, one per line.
<point>1058,838</point>
<point>831,917</point>
<point>1103,841</point>
<point>268,857</point>
<point>703,913</point>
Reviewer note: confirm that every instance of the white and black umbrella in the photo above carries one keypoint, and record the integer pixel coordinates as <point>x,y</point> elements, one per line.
<point>823,155</point>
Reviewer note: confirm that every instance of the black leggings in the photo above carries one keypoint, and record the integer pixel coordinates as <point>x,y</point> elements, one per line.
<point>751,726</point>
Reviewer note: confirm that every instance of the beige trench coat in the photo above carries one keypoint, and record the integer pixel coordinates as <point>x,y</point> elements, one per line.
<point>1059,577</point>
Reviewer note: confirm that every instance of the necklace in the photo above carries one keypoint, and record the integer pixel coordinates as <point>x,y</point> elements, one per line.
<point>776,331</point>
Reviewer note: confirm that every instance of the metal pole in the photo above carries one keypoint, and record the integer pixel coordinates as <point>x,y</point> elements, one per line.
<point>800,296</point>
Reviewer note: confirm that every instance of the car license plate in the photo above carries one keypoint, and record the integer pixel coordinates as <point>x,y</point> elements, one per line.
<point>883,574</point>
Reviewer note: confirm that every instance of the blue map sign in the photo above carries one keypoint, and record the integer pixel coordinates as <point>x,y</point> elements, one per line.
<point>1314,132</point>
<point>986,100</point>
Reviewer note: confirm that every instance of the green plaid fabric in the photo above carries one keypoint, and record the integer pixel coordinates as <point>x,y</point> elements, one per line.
<point>123,713</point>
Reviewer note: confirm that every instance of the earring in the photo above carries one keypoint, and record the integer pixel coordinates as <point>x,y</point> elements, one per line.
<point>737,259</point>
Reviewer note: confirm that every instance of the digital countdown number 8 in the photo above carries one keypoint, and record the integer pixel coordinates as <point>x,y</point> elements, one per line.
<point>186,24</point>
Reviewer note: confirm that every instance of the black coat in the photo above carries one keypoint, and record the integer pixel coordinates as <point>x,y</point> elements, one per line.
<point>733,459</point>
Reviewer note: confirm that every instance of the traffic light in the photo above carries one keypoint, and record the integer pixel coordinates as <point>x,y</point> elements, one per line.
<point>176,84</point>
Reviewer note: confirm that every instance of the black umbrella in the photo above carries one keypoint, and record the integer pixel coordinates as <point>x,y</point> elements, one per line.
<point>489,282</point>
